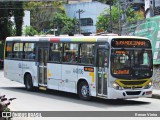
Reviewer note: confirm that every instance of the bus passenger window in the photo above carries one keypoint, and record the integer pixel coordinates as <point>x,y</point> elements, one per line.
<point>84,58</point>
<point>55,52</point>
<point>29,51</point>
<point>32,54</point>
<point>56,56</point>
<point>70,52</point>
<point>73,58</point>
<point>87,53</point>
<point>8,50</point>
<point>17,50</point>
<point>67,57</point>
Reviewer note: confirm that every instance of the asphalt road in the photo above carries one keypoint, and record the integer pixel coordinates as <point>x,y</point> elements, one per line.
<point>61,101</point>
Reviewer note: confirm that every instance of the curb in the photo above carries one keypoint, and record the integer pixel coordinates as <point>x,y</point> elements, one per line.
<point>156,96</point>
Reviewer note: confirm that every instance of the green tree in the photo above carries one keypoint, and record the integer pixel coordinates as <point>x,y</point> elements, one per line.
<point>133,16</point>
<point>42,13</point>
<point>64,24</point>
<point>18,17</point>
<point>104,21</point>
<point>5,21</point>
<point>8,10</point>
<point>30,31</point>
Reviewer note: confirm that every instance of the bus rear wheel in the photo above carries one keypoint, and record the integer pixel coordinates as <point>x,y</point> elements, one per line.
<point>83,91</point>
<point>28,82</point>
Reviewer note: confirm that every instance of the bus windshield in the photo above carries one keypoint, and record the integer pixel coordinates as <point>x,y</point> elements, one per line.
<point>131,64</point>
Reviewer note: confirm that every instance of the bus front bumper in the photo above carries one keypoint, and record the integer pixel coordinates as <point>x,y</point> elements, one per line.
<point>128,93</point>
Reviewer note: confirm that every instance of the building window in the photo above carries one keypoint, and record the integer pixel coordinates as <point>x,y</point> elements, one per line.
<point>86,22</point>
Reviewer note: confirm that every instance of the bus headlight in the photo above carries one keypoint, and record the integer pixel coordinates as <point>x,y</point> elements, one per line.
<point>148,86</point>
<point>116,86</point>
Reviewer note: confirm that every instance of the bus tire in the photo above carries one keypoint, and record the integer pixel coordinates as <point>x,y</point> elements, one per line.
<point>83,91</point>
<point>28,82</point>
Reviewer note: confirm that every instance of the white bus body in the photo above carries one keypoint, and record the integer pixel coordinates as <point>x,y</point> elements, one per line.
<point>95,77</point>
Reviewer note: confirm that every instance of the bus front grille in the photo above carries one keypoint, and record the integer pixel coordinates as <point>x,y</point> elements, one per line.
<point>133,92</point>
<point>132,87</point>
<point>135,82</point>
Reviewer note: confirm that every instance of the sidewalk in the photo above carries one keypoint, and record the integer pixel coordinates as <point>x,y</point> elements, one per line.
<point>156,93</point>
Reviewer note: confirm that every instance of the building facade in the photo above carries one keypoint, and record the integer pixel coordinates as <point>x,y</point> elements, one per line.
<point>152,8</point>
<point>88,13</point>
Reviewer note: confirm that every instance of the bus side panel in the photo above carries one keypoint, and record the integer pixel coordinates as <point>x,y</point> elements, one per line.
<point>30,67</point>
<point>13,70</point>
<point>69,78</point>
<point>87,74</point>
<point>54,75</point>
<point>7,69</point>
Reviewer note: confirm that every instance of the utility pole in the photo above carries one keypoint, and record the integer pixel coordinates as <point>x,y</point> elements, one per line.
<point>79,14</point>
<point>111,16</point>
<point>119,19</point>
<point>154,6</point>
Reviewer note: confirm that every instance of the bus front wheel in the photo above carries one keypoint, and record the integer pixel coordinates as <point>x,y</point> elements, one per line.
<point>28,82</point>
<point>83,91</point>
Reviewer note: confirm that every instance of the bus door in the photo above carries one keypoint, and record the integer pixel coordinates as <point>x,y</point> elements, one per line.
<point>42,66</point>
<point>102,64</point>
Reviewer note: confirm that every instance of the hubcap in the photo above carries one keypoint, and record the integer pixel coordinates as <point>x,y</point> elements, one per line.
<point>84,90</point>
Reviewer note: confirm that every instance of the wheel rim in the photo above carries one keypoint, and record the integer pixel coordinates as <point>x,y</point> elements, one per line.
<point>85,90</point>
<point>28,82</point>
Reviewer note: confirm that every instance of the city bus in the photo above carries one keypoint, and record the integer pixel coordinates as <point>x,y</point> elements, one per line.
<point>109,67</point>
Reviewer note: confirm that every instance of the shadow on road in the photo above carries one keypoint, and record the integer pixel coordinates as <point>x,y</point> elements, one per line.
<point>70,97</point>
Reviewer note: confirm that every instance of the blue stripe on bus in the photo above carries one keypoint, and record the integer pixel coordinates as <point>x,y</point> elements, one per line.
<point>65,39</point>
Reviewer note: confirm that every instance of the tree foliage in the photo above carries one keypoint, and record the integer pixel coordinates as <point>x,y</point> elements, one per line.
<point>64,24</point>
<point>8,10</point>
<point>42,13</point>
<point>103,22</point>
<point>133,16</point>
<point>114,22</point>
<point>30,31</point>
<point>5,21</point>
<point>18,17</point>
<point>107,22</point>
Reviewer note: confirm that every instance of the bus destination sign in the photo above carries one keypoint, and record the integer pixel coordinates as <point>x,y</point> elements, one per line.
<point>128,43</point>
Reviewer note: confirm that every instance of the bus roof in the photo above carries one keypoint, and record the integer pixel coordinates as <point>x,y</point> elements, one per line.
<point>68,38</point>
